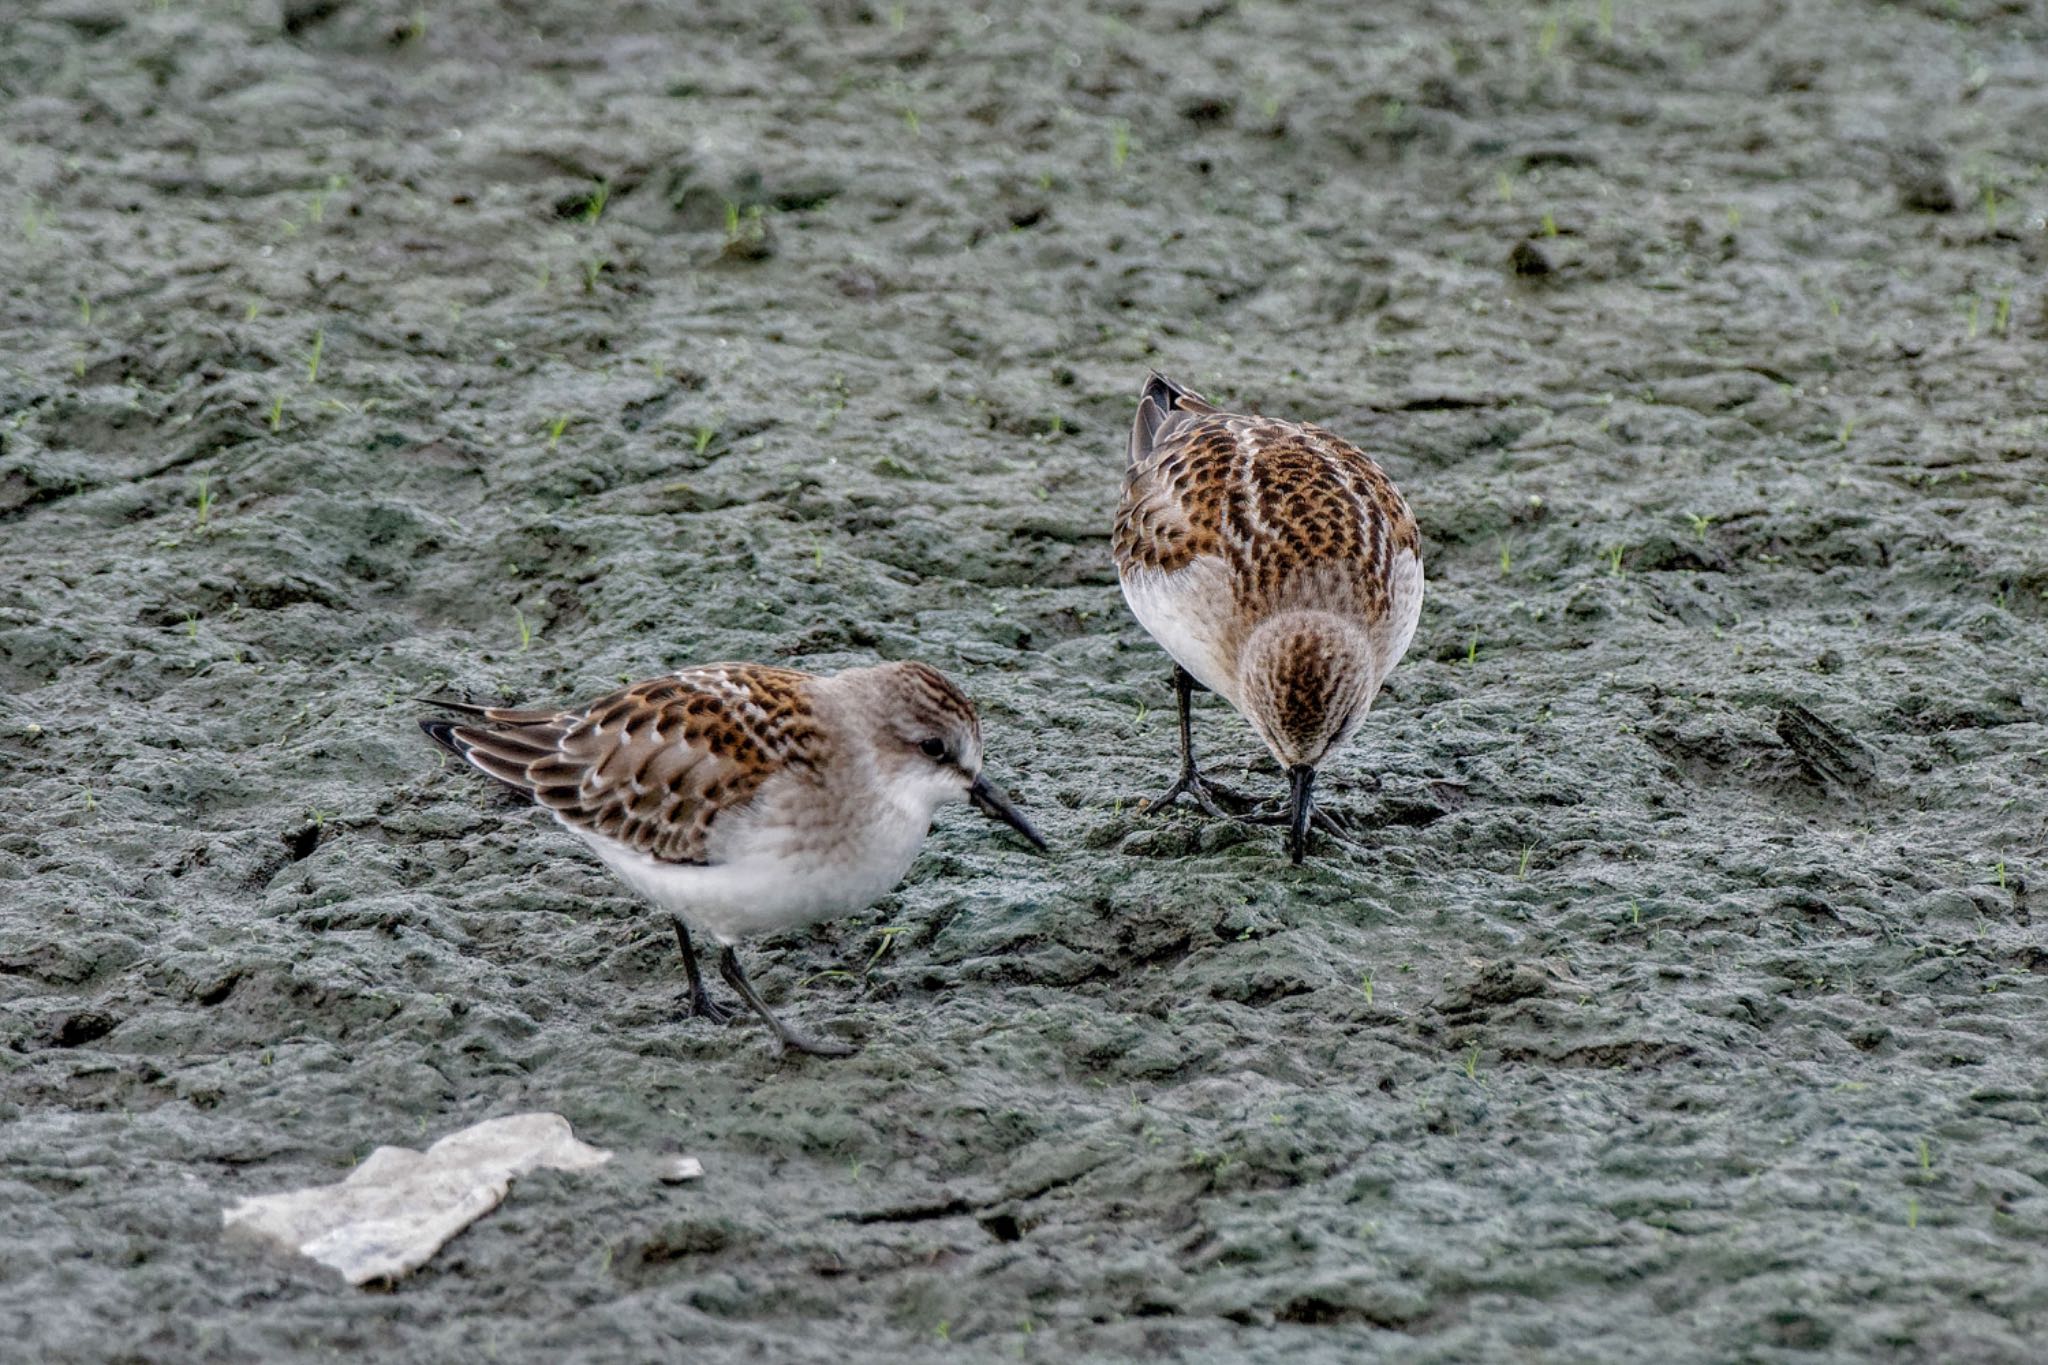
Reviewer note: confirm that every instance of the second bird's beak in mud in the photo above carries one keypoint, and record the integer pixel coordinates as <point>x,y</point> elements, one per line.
<point>1301,778</point>
<point>989,799</point>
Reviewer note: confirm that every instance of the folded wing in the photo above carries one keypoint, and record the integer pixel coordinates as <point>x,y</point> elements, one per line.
<point>654,765</point>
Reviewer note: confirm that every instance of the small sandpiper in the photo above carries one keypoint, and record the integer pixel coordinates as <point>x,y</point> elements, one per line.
<point>745,799</point>
<point>1280,569</point>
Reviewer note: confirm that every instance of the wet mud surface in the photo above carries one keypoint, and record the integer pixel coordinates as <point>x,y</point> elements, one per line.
<point>1683,997</point>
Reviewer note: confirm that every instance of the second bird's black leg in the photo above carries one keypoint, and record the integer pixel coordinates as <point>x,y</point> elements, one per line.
<point>701,1003</point>
<point>786,1038</point>
<point>1191,781</point>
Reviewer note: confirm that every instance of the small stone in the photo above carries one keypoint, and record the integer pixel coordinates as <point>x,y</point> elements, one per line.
<point>1921,172</point>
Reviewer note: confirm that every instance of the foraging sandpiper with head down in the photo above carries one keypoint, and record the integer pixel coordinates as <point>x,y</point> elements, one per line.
<point>745,799</point>
<point>1280,569</point>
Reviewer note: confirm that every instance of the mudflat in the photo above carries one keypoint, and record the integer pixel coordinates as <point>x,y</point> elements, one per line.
<point>1681,999</point>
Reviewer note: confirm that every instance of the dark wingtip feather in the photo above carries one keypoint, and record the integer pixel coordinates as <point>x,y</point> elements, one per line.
<point>442,732</point>
<point>1157,404</point>
<point>1161,390</point>
<point>467,708</point>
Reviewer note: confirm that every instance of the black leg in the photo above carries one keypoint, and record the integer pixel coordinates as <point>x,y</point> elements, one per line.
<point>786,1039</point>
<point>702,1006</point>
<point>1191,781</point>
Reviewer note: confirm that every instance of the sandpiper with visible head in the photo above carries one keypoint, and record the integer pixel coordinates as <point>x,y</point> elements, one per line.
<point>1279,568</point>
<point>745,799</point>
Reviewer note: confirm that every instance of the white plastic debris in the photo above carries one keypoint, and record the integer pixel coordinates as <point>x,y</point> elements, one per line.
<point>399,1206</point>
<point>678,1169</point>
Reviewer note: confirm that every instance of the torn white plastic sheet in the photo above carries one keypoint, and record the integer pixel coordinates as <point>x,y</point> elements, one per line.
<point>399,1206</point>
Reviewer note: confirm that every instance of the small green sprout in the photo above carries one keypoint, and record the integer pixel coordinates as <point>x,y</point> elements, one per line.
<point>703,437</point>
<point>1970,314</point>
<point>556,428</point>
<point>889,933</point>
<point>1606,20</point>
<point>277,412</point>
<point>746,234</point>
<point>1522,871</point>
<point>1635,912</point>
<point>1472,1063</point>
<point>1119,143</point>
<point>1734,218</point>
<point>1848,430</point>
<point>1507,558</point>
<point>1912,1212</point>
<point>1546,38</point>
<point>313,358</point>
<point>2001,314</point>
<point>1999,872</point>
<point>593,207</point>
<point>1365,984</point>
<point>1926,1160</point>
<point>593,267</point>
<point>1990,208</point>
<point>525,630</point>
<point>84,310</point>
<point>1506,187</point>
<point>1472,650</point>
<point>1549,226</point>
<point>253,310</point>
<point>1699,523</point>
<point>203,503</point>
<point>191,625</point>
<point>1613,557</point>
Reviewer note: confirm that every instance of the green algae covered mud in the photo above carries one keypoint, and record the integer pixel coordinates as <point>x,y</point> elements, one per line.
<point>1685,997</point>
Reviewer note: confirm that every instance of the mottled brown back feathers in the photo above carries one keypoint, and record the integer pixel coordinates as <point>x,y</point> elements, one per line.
<point>652,765</point>
<point>1298,515</point>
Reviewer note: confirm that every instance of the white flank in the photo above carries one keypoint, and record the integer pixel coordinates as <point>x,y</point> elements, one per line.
<point>1185,612</point>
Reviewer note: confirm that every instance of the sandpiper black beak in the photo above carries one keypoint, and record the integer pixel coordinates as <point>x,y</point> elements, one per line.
<point>989,799</point>
<point>1301,777</point>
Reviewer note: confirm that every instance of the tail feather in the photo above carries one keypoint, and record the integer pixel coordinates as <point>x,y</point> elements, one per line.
<point>1161,402</point>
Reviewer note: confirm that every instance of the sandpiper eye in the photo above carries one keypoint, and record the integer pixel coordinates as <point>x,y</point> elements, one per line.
<point>934,749</point>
